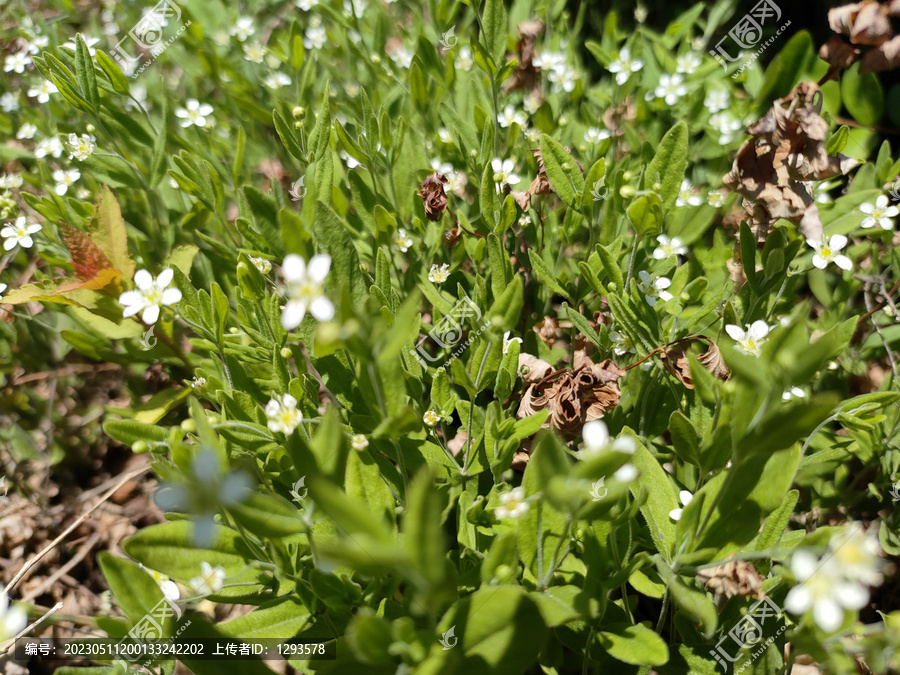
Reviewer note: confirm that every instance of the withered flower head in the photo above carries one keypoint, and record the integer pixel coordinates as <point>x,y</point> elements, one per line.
<point>452,237</point>
<point>735,577</point>
<point>676,362</point>
<point>772,169</point>
<point>433,196</point>
<point>867,24</point>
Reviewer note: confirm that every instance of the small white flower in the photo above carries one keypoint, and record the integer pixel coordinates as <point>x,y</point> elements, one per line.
<point>687,63</point>
<point>621,343</point>
<point>716,100</point>
<point>65,179</point>
<point>438,275</point>
<point>243,28</point>
<point>532,102</point>
<point>687,196</point>
<point>464,60</point>
<point>511,116</point>
<point>793,392</point>
<point>507,341</point>
<point>42,91</point>
<point>150,295</point>
<point>524,220</point>
<point>19,234</point>
<point>880,214</point>
<point>512,504</point>
<point>9,102</point>
<point>727,125</point>
<point>194,114</point>
<point>359,442</point>
<point>88,41</point>
<point>829,251</point>
<point>685,498</point>
<point>254,52</point>
<point>751,340</point>
<point>81,147</point>
<point>10,181</point>
<point>17,62</point>
<point>402,240</point>
<point>303,287</point>
<point>263,265</point>
<point>402,57</point>
<point>716,198</point>
<point>277,80</point>
<point>504,173</point>
<point>654,288</point>
<point>283,416</point>
<point>49,146</point>
<point>315,36</point>
<point>198,383</point>
<point>595,135</point>
<point>166,585</point>
<point>307,5</point>
<point>533,135</point>
<point>824,589</point>
<point>670,88</point>
<point>355,8</point>
<point>623,66</point>
<point>444,135</point>
<point>38,42</point>
<point>210,580</point>
<point>12,619</point>
<point>26,131</point>
<point>668,247</point>
<point>563,79</point>
<point>856,555</point>
<point>640,13</point>
<point>431,418</point>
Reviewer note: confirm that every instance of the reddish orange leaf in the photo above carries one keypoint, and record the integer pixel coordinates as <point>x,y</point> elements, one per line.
<point>87,258</point>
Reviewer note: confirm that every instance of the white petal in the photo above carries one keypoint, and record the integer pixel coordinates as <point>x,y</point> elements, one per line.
<point>843,262</point>
<point>837,242</point>
<point>759,329</point>
<point>293,314</point>
<point>803,564</point>
<point>497,165</point>
<point>826,612</point>
<point>595,434</point>
<point>882,201</point>
<point>170,296</point>
<point>626,473</point>
<point>318,267</point>
<point>851,595</point>
<point>9,244</point>
<point>819,261</point>
<point>165,277</point>
<point>151,314</point>
<point>624,444</point>
<point>675,514</point>
<point>866,208</point>
<point>130,298</point>
<point>294,268</point>
<point>798,600</point>
<point>143,280</point>
<point>685,497</point>
<point>321,308</point>
<point>644,276</point>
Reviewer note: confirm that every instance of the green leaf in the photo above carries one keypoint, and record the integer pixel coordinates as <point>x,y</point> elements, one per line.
<point>423,535</point>
<point>563,173</point>
<point>583,325</point>
<point>490,201</point>
<point>130,432</point>
<point>786,69</point>
<point>286,134</point>
<point>544,275</point>
<point>417,87</point>
<point>331,235</point>
<point>284,618</point>
<point>113,72</point>
<point>318,138</point>
<point>169,548</point>
<point>645,214</point>
<point>500,631</point>
<point>777,522</point>
<point>594,181</point>
<point>557,604</point>
<point>684,438</point>
<point>695,603</point>
<point>668,165</point>
<point>84,68</point>
<point>268,515</point>
<point>863,96</point>
<point>637,645</point>
<point>661,499</point>
<point>496,27</point>
<point>499,262</point>
<point>135,590</point>
<point>838,140</point>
